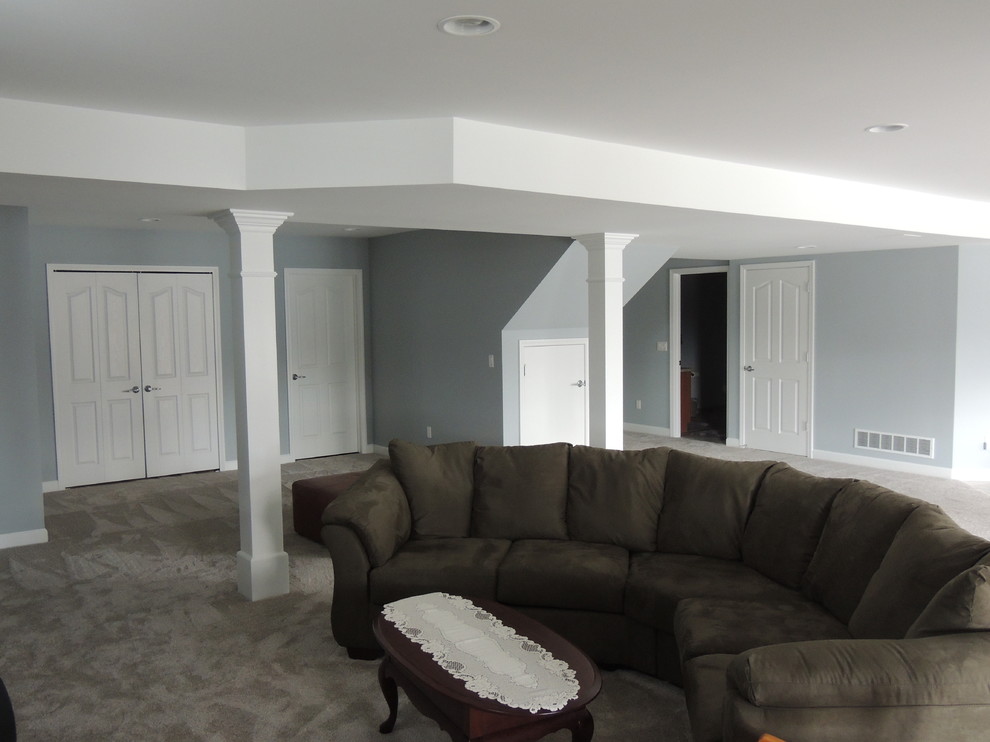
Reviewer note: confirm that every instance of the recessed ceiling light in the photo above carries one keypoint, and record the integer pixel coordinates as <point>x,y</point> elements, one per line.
<point>806,247</point>
<point>910,234</point>
<point>885,128</point>
<point>352,229</point>
<point>468,25</point>
<point>149,219</point>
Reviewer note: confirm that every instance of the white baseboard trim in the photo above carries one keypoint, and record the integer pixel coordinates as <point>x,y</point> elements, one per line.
<point>24,538</point>
<point>733,443</point>
<point>646,429</point>
<point>380,450</point>
<point>51,486</point>
<point>908,467</point>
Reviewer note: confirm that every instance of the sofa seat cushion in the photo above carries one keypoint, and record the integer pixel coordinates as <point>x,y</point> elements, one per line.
<point>520,492</point>
<point>658,582</point>
<point>461,566</point>
<point>928,551</point>
<point>614,497</point>
<point>706,502</point>
<point>564,574</point>
<point>723,626</point>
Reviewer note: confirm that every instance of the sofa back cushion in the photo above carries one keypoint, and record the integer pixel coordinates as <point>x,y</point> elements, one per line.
<point>963,604</point>
<point>706,503</point>
<point>861,524</point>
<point>927,552</point>
<point>439,483</point>
<point>520,491</point>
<point>782,532</point>
<point>614,497</point>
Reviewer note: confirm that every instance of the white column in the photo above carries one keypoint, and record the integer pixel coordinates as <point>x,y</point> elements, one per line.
<point>262,564</point>
<point>605,381</point>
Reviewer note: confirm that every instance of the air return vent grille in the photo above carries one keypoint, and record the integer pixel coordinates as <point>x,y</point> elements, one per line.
<point>909,445</point>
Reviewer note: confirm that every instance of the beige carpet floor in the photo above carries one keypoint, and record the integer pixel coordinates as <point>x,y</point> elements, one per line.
<point>127,624</point>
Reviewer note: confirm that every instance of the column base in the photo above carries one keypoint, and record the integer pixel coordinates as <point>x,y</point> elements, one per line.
<point>260,577</point>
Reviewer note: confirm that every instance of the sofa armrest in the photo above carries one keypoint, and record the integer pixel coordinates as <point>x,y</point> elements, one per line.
<point>375,508</point>
<point>946,670</point>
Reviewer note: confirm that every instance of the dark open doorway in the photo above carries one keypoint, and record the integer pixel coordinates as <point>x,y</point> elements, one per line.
<point>703,355</point>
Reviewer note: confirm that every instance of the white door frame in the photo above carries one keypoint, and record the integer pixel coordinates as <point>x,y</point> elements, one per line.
<point>556,341</point>
<point>810,392</point>
<point>357,275</point>
<point>214,272</point>
<point>674,342</point>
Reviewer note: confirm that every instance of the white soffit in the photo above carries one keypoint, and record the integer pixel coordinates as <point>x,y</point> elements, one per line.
<point>50,140</point>
<point>63,141</point>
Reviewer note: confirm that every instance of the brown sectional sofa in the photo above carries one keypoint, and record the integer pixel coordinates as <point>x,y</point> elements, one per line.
<point>811,608</point>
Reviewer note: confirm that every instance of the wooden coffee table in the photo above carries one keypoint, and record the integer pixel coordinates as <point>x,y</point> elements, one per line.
<point>463,714</point>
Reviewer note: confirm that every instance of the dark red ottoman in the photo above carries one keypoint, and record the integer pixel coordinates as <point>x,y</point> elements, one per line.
<point>310,498</point>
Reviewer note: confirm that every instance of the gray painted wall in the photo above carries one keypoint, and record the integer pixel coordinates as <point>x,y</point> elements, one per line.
<point>439,301</point>
<point>560,301</point>
<point>139,247</point>
<point>885,347</point>
<point>885,350</point>
<point>20,459</point>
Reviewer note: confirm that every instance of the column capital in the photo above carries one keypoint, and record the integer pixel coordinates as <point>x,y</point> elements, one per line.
<point>239,221</point>
<point>605,240</point>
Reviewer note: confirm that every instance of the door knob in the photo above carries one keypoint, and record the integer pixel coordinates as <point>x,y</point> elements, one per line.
<point>295,377</point>
<point>580,383</point>
<point>134,389</point>
<point>150,388</point>
<point>748,368</point>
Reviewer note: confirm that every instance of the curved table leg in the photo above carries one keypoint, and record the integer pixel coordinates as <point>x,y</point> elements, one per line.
<point>584,729</point>
<point>391,693</point>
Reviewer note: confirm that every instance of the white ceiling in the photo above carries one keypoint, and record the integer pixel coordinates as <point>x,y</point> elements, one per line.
<point>786,84</point>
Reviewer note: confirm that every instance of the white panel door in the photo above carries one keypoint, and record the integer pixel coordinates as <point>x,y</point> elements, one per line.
<point>325,347</point>
<point>553,391</point>
<point>96,368</point>
<point>776,344</point>
<point>178,373</point>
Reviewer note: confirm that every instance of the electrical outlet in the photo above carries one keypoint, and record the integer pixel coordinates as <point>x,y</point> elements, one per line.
<point>491,361</point>
<point>429,431</point>
<point>639,404</point>
<point>662,346</point>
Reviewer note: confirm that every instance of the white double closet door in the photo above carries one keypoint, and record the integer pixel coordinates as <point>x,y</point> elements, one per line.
<point>134,369</point>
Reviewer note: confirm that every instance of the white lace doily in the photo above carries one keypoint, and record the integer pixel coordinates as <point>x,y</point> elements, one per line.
<point>491,658</point>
